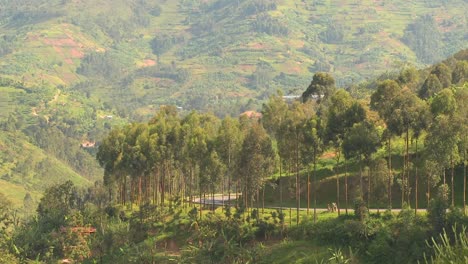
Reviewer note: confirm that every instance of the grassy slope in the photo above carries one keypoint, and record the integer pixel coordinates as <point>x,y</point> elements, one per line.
<point>51,50</point>
<point>326,190</point>
<point>28,169</point>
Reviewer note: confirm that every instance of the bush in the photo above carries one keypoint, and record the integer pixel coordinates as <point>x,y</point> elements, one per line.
<point>445,251</point>
<point>360,209</point>
<point>437,210</point>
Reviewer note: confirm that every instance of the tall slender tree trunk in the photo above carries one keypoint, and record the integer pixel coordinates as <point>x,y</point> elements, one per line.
<point>416,183</point>
<point>229,178</point>
<point>131,192</point>
<point>390,176</point>
<point>369,186</point>
<point>222,191</point>
<point>148,188</point>
<point>170,184</point>
<point>139,190</point>
<point>346,185</point>
<point>190,186</point>
<point>156,187</point>
<point>308,190</point>
<point>121,198</point>
<point>200,203</point>
<point>464,182</point>
<point>360,177</point>
<point>257,216</point>
<point>445,179</point>
<point>212,198</point>
<point>263,200</point>
<point>408,189</point>
<point>315,186</point>
<point>338,184</point>
<point>237,193</point>
<point>280,186</point>
<point>298,185</point>
<point>163,183</point>
<point>453,179</point>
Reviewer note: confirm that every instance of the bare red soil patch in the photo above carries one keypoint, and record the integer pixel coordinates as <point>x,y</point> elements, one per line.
<point>257,46</point>
<point>62,42</point>
<point>294,69</point>
<point>78,54</point>
<point>148,63</point>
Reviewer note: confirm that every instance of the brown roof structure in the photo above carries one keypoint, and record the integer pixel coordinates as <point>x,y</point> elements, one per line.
<point>252,114</point>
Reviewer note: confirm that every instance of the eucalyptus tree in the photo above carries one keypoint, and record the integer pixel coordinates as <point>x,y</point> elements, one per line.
<point>166,124</point>
<point>442,144</point>
<point>409,77</point>
<point>443,73</point>
<point>431,86</point>
<point>195,149</point>
<point>110,154</point>
<point>361,142</point>
<point>342,113</point>
<point>154,159</point>
<point>421,124</point>
<point>292,132</point>
<point>229,142</point>
<point>431,171</point>
<point>380,179</point>
<point>461,118</point>
<point>444,103</point>
<point>407,109</point>
<point>460,72</point>
<point>256,161</point>
<point>382,101</point>
<point>212,169</point>
<point>273,115</point>
<point>136,158</point>
<point>312,148</point>
<point>321,87</point>
<point>209,127</point>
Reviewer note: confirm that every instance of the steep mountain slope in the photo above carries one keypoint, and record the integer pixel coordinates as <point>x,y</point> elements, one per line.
<point>72,69</point>
<point>213,54</point>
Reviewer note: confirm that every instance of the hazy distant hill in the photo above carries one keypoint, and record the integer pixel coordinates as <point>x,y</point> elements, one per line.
<point>215,54</point>
<point>71,69</point>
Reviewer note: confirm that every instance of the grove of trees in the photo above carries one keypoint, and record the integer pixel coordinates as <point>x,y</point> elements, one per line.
<point>398,141</point>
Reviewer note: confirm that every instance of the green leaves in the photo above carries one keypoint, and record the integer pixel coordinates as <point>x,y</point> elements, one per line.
<point>322,85</point>
<point>256,161</point>
<point>362,140</point>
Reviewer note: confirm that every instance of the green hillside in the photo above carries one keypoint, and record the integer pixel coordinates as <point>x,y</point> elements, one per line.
<point>216,55</point>
<point>71,70</point>
<point>29,169</point>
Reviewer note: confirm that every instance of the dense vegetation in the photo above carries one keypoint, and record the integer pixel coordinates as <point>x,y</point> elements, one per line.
<point>136,104</point>
<point>74,69</point>
<point>404,145</point>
